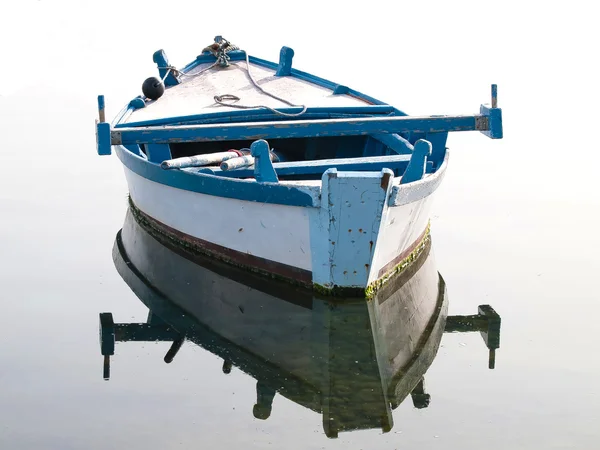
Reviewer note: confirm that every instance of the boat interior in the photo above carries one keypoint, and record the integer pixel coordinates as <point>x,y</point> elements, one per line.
<point>307,158</point>
<point>247,90</point>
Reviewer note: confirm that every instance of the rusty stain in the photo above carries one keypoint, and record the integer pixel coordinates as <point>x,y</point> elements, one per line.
<point>367,267</point>
<point>345,272</point>
<point>332,242</point>
<point>385,181</point>
<point>370,246</point>
<point>360,230</point>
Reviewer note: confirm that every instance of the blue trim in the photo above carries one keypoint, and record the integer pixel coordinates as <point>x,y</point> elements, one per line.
<point>494,116</point>
<point>418,162</point>
<point>160,58</point>
<point>352,209</point>
<point>103,138</point>
<point>285,62</point>
<point>157,153</point>
<point>264,114</point>
<point>263,166</point>
<point>252,191</point>
<point>137,103</point>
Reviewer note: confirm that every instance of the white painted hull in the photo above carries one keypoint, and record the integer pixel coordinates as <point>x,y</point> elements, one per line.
<point>352,240</point>
<point>275,232</point>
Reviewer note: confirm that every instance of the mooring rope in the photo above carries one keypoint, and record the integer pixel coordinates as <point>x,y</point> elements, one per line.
<point>219,98</point>
<point>223,61</point>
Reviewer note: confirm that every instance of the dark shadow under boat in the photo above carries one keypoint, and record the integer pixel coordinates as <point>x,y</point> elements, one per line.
<point>351,360</point>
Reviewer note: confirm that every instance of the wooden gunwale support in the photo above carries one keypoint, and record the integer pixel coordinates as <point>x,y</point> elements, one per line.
<point>299,129</point>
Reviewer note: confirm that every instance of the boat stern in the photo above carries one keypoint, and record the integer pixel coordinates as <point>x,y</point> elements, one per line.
<point>349,222</point>
<point>370,226</point>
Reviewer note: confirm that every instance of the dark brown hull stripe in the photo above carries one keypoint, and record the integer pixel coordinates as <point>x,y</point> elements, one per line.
<point>234,257</point>
<point>394,262</point>
<point>254,263</point>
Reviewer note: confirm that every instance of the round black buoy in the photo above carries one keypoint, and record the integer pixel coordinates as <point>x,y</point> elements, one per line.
<point>153,88</point>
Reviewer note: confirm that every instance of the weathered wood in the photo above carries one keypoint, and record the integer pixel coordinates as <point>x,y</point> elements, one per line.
<point>418,161</point>
<point>103,144</point>
<point>297,129</point>
<point>371,163</point>
<point>263,166</point>
<point>198,160</point>
<point>101,112</point>
<point>239,162</point>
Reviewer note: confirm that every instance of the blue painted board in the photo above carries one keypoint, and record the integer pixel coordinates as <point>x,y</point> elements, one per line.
<point>263,167</point>
<point>157,153</point>
<point>296,129</point>
<point>418,162</point>
<point>103,146</point>
<point>285,62</point>
<point>494,119</point>
<point>372,163</point>
<point>353,203</point>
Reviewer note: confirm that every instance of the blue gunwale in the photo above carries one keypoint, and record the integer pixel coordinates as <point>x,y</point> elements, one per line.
<point>248,190</point>
<point>264,114</point>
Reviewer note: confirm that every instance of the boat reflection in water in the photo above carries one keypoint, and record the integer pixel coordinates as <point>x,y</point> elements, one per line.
<point>351,360</point>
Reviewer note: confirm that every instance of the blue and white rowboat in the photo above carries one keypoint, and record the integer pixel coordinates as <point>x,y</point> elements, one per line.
<point>282,172</point>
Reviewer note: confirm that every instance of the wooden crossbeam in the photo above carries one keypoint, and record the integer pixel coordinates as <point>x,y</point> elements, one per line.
<point>297,129</point>
<point>371,163</point>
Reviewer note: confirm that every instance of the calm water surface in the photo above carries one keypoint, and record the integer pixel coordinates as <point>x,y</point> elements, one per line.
<point>514,226</point>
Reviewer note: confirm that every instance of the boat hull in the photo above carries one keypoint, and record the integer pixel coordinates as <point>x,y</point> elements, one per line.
<point>293,342</point>
<point>361,228</point>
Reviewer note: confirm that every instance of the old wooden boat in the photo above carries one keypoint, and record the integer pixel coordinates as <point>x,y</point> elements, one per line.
<point>281,172</point>
<point>352,361</point>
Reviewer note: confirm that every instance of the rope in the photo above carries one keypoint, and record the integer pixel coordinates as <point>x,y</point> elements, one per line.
<point>178,72</point>
<point>264,92</point>
<point>223,60</point>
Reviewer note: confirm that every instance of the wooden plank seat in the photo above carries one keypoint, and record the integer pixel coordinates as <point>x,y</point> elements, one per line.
<point>396,163</point>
